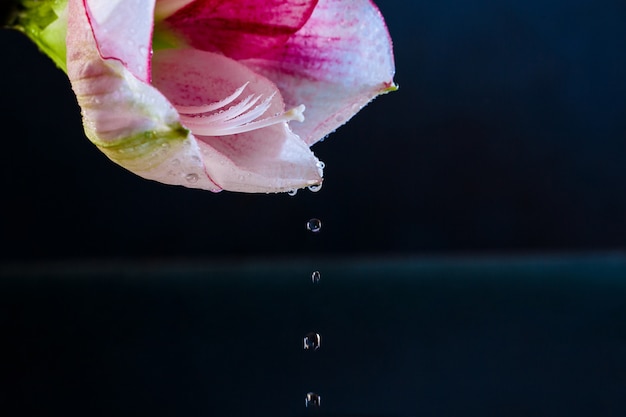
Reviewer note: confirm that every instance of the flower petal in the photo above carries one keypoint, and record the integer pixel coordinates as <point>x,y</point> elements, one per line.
<point>269,159</point>
<point>340,60</point>
<point>240,28</point>
<point>127,119</point>
<point>123,31</point>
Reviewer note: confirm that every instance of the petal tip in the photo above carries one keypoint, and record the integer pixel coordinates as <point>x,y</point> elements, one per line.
<point>389,88</point>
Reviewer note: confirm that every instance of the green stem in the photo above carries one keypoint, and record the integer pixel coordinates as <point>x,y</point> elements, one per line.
<point>43,21</point>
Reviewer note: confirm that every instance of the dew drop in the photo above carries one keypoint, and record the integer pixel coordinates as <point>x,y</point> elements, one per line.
<point>321,165</point>
<point>314,225</point>
<point>312,399</point>
<point>315,188</point>
<point>312,341</point>
<point>316,276</point>
<point>192,178</point>
<point>292,192</point>
<point>176,162</point>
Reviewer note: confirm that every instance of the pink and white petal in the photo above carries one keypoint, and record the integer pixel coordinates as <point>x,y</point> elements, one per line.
<point>242,162</point>
<point>123,31</point>
<point>338,62</point>
<point>270,159</point>
<point>240,28</point>
<point>127,119</point>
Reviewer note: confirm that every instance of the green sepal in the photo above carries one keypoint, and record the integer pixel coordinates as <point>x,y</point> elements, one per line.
<point>44,22</point>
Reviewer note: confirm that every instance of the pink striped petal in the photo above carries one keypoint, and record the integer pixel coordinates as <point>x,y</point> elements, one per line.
<point>268,159</point>
<point>123,31</point>
<point>240,28</point>
<point>340,60</point>
<point>126,118</point>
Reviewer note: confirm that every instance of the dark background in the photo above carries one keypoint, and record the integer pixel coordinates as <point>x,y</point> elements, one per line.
<point>507,134</point>
<point>469,338</point>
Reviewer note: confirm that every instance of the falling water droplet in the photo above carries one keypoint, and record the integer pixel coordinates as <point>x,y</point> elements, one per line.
<point>292,192</point>
<point>192,178</point>
<point>313,400</point>
<point>315,188</point>
<point>314,225</point>
<point>312,341</point>
<point>316,276</point>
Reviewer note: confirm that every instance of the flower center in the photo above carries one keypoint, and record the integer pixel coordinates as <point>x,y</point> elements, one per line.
<point>216,120</point>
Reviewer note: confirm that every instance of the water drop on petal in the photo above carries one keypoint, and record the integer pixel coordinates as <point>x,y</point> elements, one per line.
<point>192,178</point>
<point>316,276</point>
<point>315,188</point>
<point>292,192</point>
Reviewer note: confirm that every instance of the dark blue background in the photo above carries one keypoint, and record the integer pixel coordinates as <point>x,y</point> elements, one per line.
<point>466,337</point>
<point>507,134</point>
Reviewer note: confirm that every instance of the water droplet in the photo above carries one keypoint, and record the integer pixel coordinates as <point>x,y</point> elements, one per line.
<point>316,276</point>
<point>321,165</point>
<point>312,341</point>
<point>315,188</point>
<point>192,178</point>
<point>292,192</point>
<point>314,225</point>
<point>313,400</point>
<point>176,162</point>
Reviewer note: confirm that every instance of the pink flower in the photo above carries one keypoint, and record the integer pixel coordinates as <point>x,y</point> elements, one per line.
<point>235,92</point>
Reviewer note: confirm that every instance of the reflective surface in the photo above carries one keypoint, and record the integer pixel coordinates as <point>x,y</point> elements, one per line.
<point>520,336</point>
